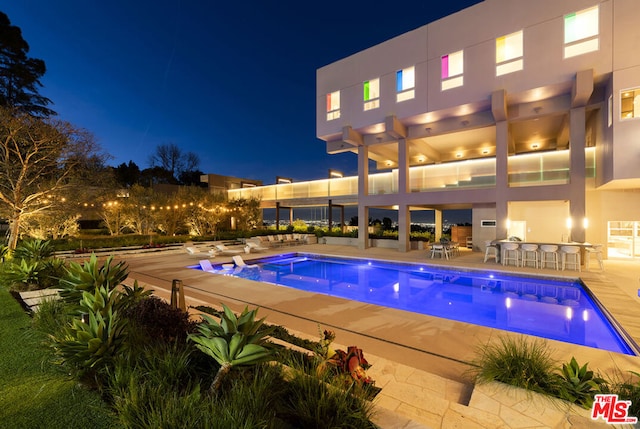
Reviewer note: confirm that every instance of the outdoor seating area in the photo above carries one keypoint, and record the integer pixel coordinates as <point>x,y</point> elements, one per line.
<point>445,249</point>
<point>279,240</point>
<point>560,256</point>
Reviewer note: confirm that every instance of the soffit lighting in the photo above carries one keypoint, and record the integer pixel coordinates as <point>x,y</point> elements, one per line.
<point>459,155</point>
<point>535,146</point>
<point>485,151</point>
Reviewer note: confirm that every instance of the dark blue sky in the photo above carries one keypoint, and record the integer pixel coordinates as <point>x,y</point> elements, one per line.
<point>233,82</point>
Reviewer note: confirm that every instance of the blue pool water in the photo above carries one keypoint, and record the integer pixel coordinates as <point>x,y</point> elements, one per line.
<point>547,308</point>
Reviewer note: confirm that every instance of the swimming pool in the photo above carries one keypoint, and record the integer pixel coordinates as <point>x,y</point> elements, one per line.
<point>544,307</point>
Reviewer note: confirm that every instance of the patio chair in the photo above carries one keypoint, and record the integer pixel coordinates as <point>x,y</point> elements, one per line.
<point>224,250</point>
<point>195,252</point>
<point>240,262</point>
<point>255,247</point>
<point>205,264</point>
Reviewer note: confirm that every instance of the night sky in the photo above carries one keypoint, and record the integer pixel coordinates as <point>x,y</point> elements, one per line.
<point>232,81</point>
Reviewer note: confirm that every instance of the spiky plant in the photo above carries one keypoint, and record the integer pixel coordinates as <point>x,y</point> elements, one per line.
<point>578,384</point>
<point>91,276</point>
<point>34,250</point>
<point>234,341</point>
<point>95,336</point>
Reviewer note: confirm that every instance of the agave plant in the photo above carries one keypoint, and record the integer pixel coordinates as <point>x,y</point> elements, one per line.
<point>91,276</point>
<point>578,384</point>
<point>34,250</point>
<point>92,341</point>
<point>22,274</point>
<point>234,341</point>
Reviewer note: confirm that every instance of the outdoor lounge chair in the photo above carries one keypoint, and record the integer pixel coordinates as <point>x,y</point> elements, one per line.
<point>224,250</point>
<point>205,264</point>
<point>255,247</point>
<point>195,252</point>
<point>240,262</point>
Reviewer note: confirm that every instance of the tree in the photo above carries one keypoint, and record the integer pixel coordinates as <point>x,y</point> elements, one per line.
<point>41,159</point>
<point>127,175</point>
<point>172,159</point>
<point>19,74</point>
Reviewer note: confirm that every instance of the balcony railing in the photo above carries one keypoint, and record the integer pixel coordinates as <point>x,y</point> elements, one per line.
<point>544,168</point>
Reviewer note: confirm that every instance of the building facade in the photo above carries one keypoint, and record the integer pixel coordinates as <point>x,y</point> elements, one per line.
<point>528,113</point>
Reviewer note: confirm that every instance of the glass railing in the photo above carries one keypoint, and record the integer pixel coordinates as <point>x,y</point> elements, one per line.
<point>544,168</point>
<point>477,173</point>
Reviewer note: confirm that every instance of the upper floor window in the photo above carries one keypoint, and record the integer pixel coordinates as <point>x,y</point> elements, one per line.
<point>509,53</point>
<point>405,83</point>
<point>333,105</point>
<point>630,103</point>
<point>581,32</point>
<point>371,94</point>
<point>452,69</point>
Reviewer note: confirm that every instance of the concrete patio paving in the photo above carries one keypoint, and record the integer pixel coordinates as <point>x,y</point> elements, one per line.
<point>420,362</point>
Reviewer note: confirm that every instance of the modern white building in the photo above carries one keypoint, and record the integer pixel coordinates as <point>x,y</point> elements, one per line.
<point>527,112</point>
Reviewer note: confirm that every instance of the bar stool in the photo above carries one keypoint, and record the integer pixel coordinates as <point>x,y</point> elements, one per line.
<point>570,256</point>
<point>595,250</point>
<point>510,252</point>
<point>529,254</point>
<point>491,251</point>
<point>548,254</point>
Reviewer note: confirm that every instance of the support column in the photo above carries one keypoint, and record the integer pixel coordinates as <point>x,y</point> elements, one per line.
<point>404,216</point>
<point>502,178</point>
<point>577,202</point>
<point>330,215</point>
<point>438,221</point>
<point>404,228</point>
<point>277,215</point>
<point>290,215</point>
<point>363,194</point>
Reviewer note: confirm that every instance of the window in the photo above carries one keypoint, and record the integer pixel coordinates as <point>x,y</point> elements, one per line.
<point>452,69</point>
<point>333,105</point>
<point>405,83</point>
<point>371,94</point>
<point>509,53</point>
<point>630,103</point>
<point>581,32</point>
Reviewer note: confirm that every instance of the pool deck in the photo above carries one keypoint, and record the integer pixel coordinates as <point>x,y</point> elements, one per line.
<point>420,362</point>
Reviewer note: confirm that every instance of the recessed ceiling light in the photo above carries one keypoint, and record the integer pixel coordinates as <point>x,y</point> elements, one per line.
<point>459,155</point>
<point>485,151</point>
<point>535,146</point>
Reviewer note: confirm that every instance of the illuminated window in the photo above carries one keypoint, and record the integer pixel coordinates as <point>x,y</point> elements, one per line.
<point>581,32</point>
<point>333,105</point>
<point>630,103</point>
<point>371,95</point>
<point>452,69</point>
<point>509,53</point>
<point>405,83</point>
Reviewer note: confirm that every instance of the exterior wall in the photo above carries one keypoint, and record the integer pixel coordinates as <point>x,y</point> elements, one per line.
<point>577,89</point>
<point>544,65</point>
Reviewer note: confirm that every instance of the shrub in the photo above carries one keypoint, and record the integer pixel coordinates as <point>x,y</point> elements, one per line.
<point>578,385</point>
<point>316,403</point>
<point>519,363</point>
<point>156,321</point>
<point>235,341</point>
<point>34,250</point>
<point>91,276</point>
<point>627,387</point>
<point>90,343</point>
<point>52,317</point>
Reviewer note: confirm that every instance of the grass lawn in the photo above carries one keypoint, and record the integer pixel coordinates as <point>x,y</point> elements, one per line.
<point>35,393</point>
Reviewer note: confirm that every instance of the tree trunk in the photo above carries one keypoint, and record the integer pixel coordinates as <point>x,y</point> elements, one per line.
<point>217,381</point>
<point>14,231</point>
